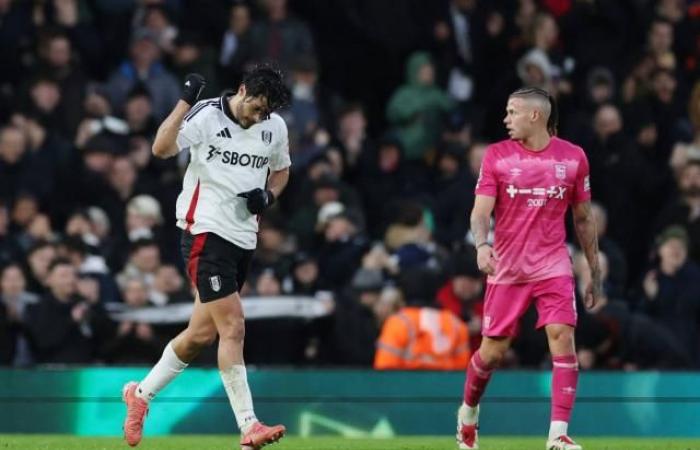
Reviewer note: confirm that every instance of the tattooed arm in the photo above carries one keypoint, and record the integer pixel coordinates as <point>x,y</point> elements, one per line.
<point>486,257</point>
<point>588,238</point>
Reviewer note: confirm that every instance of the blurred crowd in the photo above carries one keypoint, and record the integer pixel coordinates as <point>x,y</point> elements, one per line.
<point>393,105</point>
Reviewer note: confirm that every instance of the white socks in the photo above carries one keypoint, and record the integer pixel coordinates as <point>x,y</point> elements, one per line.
<point>469,415</point>
<point>235,382</point>
<point>557,428</point>
<point>168,367</point>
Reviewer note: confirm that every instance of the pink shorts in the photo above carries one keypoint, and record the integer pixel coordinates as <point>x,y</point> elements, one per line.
<point>505,304</point>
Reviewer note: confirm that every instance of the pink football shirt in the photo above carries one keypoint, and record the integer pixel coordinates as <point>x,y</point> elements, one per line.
<point>533,191</point>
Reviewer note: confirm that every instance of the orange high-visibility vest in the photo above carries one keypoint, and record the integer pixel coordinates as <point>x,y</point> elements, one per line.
<point>423,339</point>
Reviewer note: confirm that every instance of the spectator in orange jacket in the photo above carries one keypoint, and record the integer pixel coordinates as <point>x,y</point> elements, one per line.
<point>422,338</point>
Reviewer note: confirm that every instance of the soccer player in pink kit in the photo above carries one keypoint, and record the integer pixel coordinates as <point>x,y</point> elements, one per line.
<point>528,182</point>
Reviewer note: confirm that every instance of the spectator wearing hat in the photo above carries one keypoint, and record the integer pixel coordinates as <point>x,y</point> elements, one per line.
<point>89,264</point>
<point>99,152</point>
<point>303,278</point>
<point>267,284</point>
<point>342,246</point>
<point>416,108</point>
<point>325,189</point>
<point>671,290</point>
<point>535,69</point>
<point>190,55</point>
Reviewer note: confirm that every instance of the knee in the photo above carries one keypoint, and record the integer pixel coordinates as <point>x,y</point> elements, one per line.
<point>561,340</point>
<point>201,338</point>
<point>493,357</point>
<point>233,330</point>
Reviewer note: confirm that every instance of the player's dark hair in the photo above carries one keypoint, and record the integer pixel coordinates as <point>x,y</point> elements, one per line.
<point>530,92</point>
<point>266,81</point>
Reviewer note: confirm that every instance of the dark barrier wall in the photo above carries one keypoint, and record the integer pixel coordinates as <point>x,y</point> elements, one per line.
<point>349,403</point>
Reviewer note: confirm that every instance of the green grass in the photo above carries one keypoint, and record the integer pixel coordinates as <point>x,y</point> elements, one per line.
<point>54,442</point>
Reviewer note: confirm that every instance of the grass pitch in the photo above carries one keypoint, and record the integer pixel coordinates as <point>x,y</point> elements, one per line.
<point>55,442</point>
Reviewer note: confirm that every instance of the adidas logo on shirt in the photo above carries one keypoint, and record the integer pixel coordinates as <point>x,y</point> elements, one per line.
<point>224,133</point>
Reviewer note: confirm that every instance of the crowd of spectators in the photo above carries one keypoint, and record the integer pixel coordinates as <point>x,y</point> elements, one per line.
<point>393,106</point>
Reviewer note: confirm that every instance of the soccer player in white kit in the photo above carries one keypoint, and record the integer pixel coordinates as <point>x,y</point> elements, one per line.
<point>239,163</point>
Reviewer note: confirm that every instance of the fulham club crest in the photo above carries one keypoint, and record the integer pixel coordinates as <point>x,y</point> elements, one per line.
<point>560,171</point>
<point>215,283</point>
<point>266,136</point>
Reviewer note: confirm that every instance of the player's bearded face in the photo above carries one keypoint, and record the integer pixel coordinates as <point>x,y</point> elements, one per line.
<point>252,110</point>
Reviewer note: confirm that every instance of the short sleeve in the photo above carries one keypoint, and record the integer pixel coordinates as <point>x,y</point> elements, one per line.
<point>190,133</point>
<point>582,190</point>
<point>279,159</point>
<point>487,184</point>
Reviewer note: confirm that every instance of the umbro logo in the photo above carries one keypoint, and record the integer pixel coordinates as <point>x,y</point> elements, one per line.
<point>224,133</point>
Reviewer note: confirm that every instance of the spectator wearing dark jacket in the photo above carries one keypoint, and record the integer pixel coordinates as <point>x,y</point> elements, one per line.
<point>672,291</point>
<point>63,327</point>
<point>684,209</point>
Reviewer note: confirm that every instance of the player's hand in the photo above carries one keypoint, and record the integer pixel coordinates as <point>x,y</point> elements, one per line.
<point>258,200</point>
<point>194,85</point>
<point>486,259</point>
<point>594,292</point>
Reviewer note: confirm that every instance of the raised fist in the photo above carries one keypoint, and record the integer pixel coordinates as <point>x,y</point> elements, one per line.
<point>194,85</point>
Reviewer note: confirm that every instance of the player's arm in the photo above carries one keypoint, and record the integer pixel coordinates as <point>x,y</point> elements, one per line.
<point>165,143</point>
<point>258,199</point>
<point>588,239</point>
<point>277,181</point>
<point>480,220</point>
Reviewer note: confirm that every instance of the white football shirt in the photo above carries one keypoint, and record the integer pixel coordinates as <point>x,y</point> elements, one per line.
<point>226,160</point>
